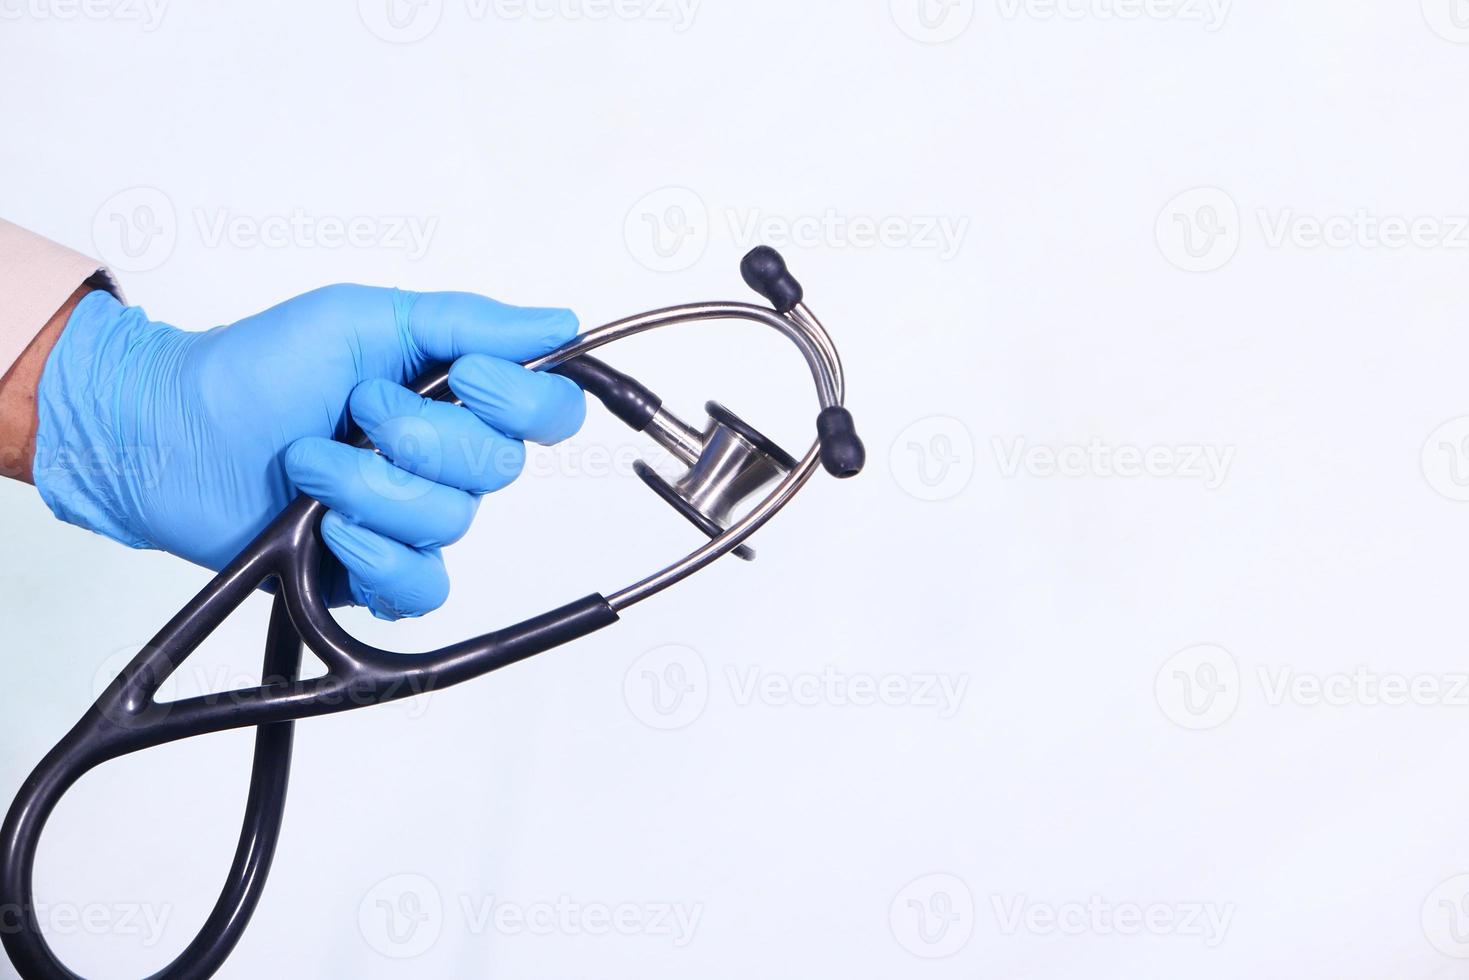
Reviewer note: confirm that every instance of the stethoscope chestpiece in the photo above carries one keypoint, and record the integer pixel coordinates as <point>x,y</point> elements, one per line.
<point>735,462</point>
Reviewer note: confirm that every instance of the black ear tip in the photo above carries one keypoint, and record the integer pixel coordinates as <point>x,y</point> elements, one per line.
<point>842,452</point>
<point>761,262</point>
<point>845,462</point>
<point>764,271</point>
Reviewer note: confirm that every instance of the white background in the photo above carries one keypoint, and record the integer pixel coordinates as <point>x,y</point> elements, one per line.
<point>1135,774</point>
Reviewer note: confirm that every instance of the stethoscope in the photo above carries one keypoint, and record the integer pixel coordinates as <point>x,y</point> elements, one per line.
<point>728,463</point>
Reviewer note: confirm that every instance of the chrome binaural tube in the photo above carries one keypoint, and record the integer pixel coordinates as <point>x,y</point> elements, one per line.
<point>816,350</point>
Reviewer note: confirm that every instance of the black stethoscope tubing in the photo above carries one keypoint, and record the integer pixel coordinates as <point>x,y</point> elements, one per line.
<point>288,555</point>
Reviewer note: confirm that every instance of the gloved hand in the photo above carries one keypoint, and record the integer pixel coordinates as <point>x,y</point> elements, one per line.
<point>193,442</point>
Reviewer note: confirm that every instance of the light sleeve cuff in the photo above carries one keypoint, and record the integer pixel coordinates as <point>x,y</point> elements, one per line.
<point>37,276</point>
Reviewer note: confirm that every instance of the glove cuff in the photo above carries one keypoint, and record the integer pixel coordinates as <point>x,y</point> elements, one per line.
<point>94,462</point>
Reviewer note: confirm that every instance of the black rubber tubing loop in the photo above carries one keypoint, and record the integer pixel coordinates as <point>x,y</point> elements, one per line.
<point>126,718</point>
<point>259,832</point>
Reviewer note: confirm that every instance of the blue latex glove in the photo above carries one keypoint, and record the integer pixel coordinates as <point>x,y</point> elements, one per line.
<point>193,442</point>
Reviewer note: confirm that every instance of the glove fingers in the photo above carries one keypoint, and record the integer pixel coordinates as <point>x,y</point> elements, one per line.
<point>446,326</point>
<point>438,441</point>
<point>368,490</point>
<point>524,404</point>
<point>388,577</point>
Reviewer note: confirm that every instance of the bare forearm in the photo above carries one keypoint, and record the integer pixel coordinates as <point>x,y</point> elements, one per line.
<point>18,395</point>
